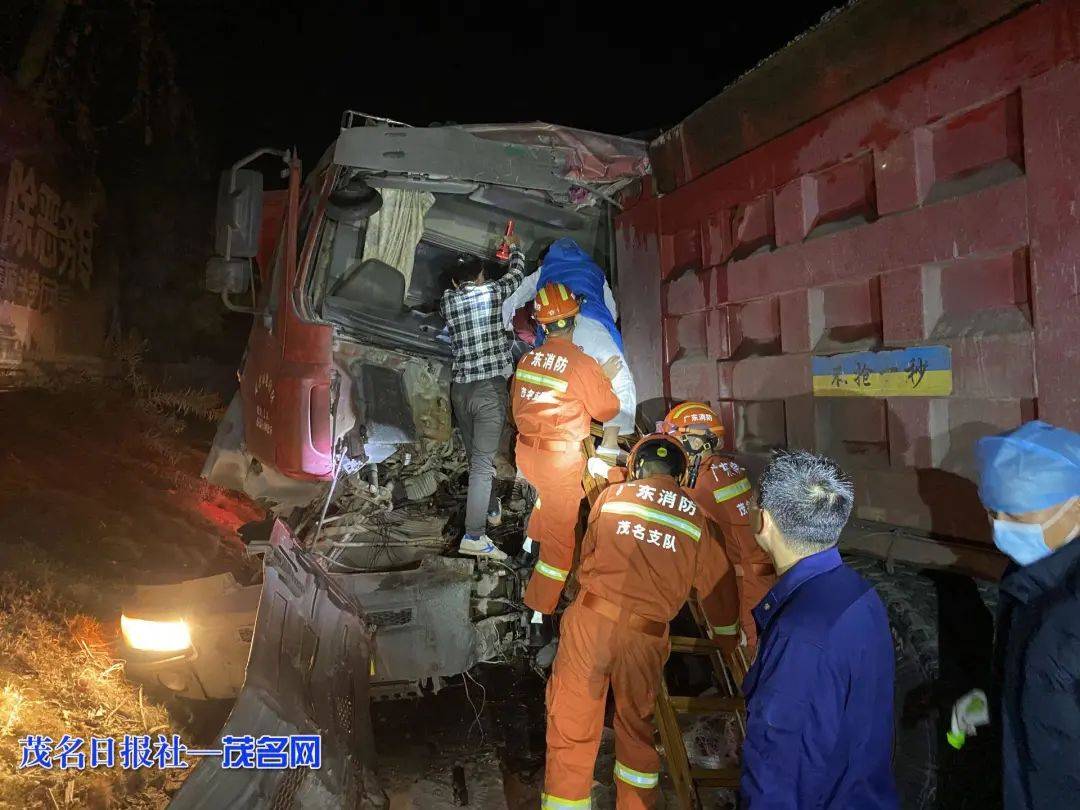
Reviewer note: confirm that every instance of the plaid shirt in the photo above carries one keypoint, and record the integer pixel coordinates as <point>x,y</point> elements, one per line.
<point>473,314</point>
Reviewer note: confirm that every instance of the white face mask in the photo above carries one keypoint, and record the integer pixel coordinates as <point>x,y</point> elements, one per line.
<point>1026,542</point>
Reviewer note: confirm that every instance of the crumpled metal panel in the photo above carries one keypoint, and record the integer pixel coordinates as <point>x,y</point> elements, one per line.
<point>421,402</point>
<point>229,465</point>
<point>452,152</point>
<point>593,157</point>
<point>431,632</point>
<point>307,674</point>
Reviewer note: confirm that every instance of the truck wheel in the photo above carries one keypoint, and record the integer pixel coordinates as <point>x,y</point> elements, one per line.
<point>911,602</point>
<point>943,629</point>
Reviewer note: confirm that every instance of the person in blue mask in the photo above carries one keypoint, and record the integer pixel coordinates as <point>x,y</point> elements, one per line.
<point>1029,482</point>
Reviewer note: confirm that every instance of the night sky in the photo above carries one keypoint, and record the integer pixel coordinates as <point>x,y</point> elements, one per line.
<point>281,73</point>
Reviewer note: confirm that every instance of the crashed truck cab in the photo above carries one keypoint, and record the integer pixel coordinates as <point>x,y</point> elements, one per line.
<point>344,384</point>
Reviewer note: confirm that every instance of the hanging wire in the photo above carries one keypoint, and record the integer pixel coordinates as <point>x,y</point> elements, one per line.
<point>466,677</point>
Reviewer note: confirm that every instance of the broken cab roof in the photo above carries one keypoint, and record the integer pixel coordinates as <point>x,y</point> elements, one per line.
<point>538,156</point>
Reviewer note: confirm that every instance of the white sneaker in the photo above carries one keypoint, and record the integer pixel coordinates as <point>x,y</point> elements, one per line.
<point>481,547</point>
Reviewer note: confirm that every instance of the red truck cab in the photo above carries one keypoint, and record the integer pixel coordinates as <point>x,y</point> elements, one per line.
<point>347,343</point>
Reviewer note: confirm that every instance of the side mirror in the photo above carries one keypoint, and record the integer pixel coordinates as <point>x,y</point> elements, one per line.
<point>228,276</point>
<point>239,214</point>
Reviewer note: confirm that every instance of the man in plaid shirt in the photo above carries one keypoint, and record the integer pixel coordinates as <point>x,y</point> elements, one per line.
<point>479,392</point>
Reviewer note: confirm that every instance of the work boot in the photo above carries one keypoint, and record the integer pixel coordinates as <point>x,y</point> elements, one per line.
<point>481,546</point>
<point>530,550</point>
<point>494,517</point>
<point>540,631</point>
<point>545,656</point>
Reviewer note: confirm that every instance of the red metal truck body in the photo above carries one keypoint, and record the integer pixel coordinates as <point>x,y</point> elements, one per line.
<point>285,376</point>
<point>929,198</point>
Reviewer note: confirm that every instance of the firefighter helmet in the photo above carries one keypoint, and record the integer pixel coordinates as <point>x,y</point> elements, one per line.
<point>554,303</point>
<point>693,416</point>
<point>696,425</point>
<point>662,448</point>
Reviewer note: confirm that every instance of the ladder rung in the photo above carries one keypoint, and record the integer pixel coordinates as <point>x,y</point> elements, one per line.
<point>693,646</point>
<point>715,777</point>
<point>706,705</point>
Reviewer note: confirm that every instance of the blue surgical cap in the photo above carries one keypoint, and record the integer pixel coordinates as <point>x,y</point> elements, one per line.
<point>1033,467</point>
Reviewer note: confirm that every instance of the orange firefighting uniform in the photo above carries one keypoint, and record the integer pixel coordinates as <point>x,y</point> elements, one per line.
<point>647,545</point>
<point>558,390</point>
<point>723,490</point>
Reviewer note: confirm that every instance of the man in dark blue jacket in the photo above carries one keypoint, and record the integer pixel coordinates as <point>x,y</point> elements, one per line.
<point>1029,482</point>
<point>819,696</point>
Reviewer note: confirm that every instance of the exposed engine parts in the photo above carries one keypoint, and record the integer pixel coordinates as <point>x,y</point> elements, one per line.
<point>388,533</point>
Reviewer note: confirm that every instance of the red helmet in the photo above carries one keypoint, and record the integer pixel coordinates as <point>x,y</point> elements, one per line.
<point>554,302</point>
<point>659,447</point>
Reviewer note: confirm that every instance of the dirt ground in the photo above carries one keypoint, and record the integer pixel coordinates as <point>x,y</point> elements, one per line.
<point>98,492</point>
<point>485,745</point>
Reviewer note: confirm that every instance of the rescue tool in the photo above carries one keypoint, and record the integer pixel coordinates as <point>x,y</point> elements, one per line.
<point>503,253</point>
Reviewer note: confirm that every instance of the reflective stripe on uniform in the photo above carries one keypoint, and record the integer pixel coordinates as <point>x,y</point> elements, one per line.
<point>655,515</point>
<point>730,491</point>
<point>551,572</point>
<point>636,778</point>
<point>549,802</point>
<point>541,379</point>
<point>726,629</point>
<point>680,411</point>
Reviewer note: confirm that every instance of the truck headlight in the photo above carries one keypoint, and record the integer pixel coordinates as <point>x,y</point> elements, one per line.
<point>155,636</point>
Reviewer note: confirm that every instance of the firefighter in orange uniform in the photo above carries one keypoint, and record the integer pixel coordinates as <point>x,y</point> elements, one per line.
<point>558,391</point>
<point>723,490</point>
<point>647,545</point>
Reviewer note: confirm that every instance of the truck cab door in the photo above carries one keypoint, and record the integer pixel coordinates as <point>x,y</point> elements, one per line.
<point>285,375</point>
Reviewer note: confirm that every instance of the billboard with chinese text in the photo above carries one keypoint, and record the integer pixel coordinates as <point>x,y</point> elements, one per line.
<point>49,303</point>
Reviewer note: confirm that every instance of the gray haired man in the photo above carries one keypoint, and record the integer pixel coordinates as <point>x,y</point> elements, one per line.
<point>819,696</point>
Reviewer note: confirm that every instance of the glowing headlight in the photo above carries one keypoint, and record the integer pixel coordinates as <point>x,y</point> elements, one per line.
<point>152,636</point>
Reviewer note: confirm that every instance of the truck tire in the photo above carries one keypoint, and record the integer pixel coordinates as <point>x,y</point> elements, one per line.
<point>911,602</point>
<point>930,774</point>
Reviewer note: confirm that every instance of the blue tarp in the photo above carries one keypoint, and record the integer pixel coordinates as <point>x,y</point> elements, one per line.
<point>568,264</point>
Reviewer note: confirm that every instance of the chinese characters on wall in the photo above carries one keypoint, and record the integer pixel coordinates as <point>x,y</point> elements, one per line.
<point>46,242</point>
<point>924,371</point>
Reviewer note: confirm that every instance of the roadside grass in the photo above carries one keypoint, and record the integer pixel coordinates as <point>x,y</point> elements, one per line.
<point>77,442</point>
<point>58,675</point>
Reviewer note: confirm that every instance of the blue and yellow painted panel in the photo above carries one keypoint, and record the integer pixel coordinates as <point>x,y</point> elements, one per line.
<point>924,371</point>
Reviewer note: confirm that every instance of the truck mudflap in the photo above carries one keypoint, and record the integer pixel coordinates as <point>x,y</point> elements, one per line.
<point>307,674</point>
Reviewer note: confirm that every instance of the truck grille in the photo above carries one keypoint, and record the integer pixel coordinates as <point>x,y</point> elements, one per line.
<point>391,618</point>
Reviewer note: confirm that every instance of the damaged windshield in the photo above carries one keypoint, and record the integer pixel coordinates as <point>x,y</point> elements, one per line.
<point>381,273</point>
